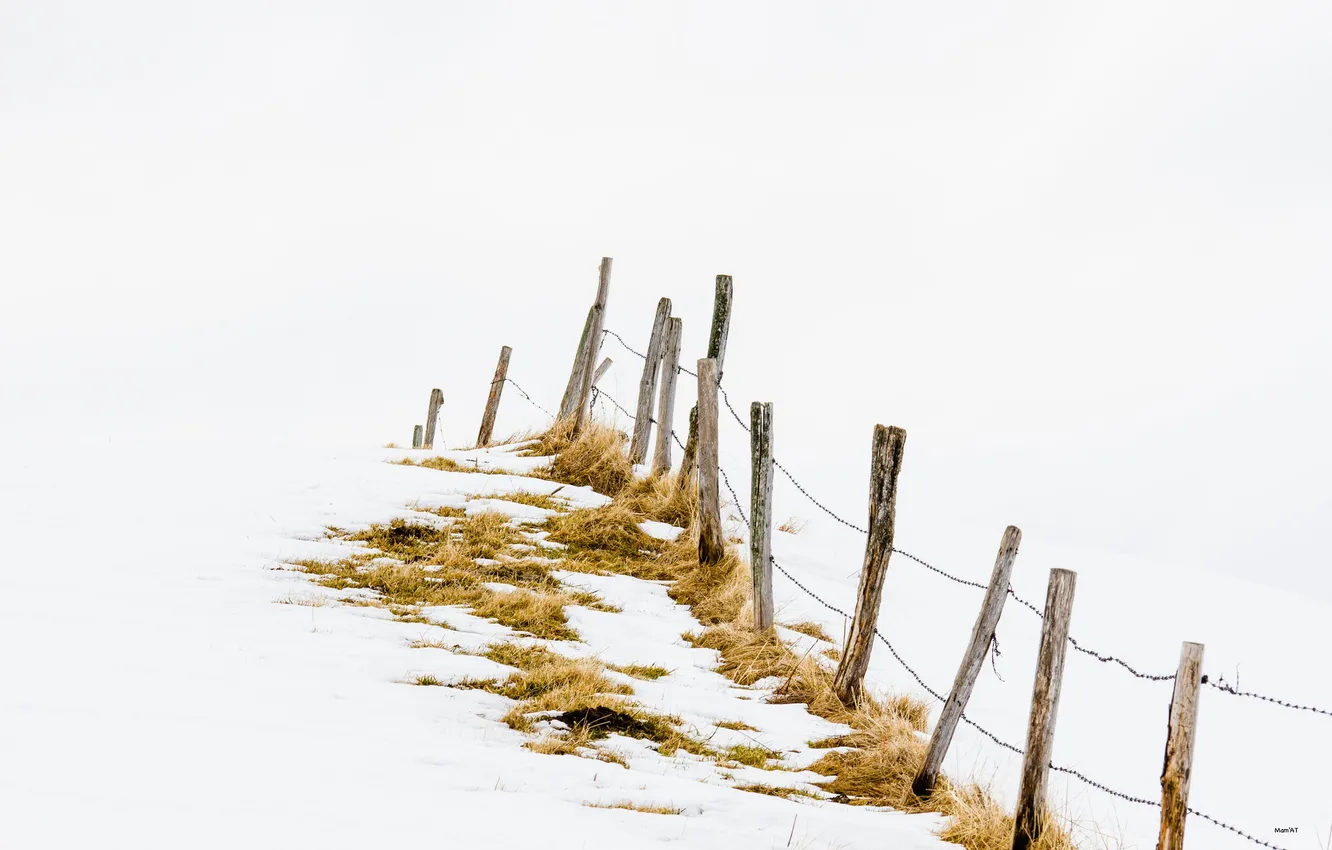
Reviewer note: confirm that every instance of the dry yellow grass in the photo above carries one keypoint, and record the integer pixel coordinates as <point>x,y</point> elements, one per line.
<point>637,807</point>
<point>596,458</point>
<point>793,525</point>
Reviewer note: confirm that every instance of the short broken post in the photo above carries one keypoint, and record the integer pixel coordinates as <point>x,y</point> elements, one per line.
<point>760,512</point>
<point>418,433</point>
<point>711,544</point>
<point>972,661</point>
<point>601,370</point>
<point>689,464</point>
<point>593,344</point>
<point>885,464</point>
<point>647,385</point>
<point>1178,769</point>
<point>432,414</point>
<point>721,329</point>
<point>670,369</point>
<point>492,403</point>
<point>1029,818</point>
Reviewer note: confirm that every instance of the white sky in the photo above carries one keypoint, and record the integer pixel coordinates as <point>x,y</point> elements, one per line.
<point>1079,251</point>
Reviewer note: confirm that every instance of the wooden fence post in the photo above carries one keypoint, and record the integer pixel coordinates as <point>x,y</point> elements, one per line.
<point>885,464</point>
<point>492,403</point>
<point>1029,819</point>
<point>670,369</point>
<point>601,370</point>
<point>1176,773</point>
<point>570,397</point>
<point>689,465</point>
<point>711,544</point>
<point>418,433</point>
<point>760,512</point>
<point>721,329</point>
<point>972,661</point>
<point>436,399</point>
<point>647,385</point>
<point>593,343</point>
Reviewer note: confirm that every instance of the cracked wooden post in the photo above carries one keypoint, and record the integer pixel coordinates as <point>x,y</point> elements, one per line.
<point>1029,818</point>
<point>593,344</point>
<point>711,544</point>
<point>492,403</point>
<point>432,414</point>
<point>760,512</point>
<point>647,385</point>
<point>721,329</point>
<point>579,365</point>
<point>670,369</point>
<point>885,464</point>
<point>1178,768</point>
<point>972,661</point>
<point>418,434</point>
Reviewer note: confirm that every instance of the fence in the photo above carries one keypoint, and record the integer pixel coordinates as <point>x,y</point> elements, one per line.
<point>661,366</point>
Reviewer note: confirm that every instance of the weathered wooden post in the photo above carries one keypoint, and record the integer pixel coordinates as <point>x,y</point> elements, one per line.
<point>492,403</point>
<point>436,399</point>
<point>593,343</point>
<point>601,370</point>
<point>418,434</point>
<point>721,329</point>
<point>972,661</point>
<point>711,544</point>
<point>670,369</point>
<point>1178,769</point>
<point>570,397</point>
<point>885,464</point>
<point>647,385</point>
<point>1029,819</point>
<point>760,512</point>
<point>689,464</point>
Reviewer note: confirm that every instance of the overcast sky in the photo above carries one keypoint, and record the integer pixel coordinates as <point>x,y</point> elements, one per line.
<point>1079,251</point>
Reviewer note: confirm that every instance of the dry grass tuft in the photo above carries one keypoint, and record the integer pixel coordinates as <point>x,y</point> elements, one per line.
<point>447,464</point>
<point>536,500</point>
<point>793,525</point>
<point>776,791</point>
<point>596,458</point>
<point>736,726</point>
<point>662,498</point>
<point>717,593</point>
<point>428,679</point>
<point>636,807</point>
<point>650,672</point>
<point>813,630</point>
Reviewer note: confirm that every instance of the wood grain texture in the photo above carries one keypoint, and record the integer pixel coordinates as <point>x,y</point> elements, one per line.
<point>601,370</point>
<point>670,370</point>
<point>711,544</point>
<point>647,385</point>
<point>1178,768</point>
<point>492,403</point>
<point>717,336</point>
<point>593,344</point>
<point>885,464</point>
<point>570,397</point>
<point>760,511</point>
<point>418,435</point>
<point>992,607</point>
<point>1029,818</point>
<point>432,415</point>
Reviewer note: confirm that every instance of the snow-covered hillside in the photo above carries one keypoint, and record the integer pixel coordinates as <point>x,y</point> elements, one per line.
<point>168,684</point>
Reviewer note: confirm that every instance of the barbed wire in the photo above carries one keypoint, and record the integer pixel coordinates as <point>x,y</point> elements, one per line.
<point>1104,658</point>
<point>524,394</point>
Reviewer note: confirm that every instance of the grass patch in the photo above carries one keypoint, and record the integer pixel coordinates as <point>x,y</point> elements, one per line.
<point>749,755</point>
<point>736,726</point>
<point>426,679</point>
<point>793,525</point>
<point>808,629</point>
<point>636,807</point>
<point>777,791</point>
<point>596,458</point>
<point>650,672</point>
<point>448,464</point>
<point>536,500</point>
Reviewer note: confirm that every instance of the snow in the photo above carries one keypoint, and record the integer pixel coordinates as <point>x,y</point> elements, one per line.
<point>167,684</point>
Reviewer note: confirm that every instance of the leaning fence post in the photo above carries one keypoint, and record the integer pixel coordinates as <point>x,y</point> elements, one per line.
<point>1178,769</point>
<point>670,370</point>
<point>1029,819</point>
<point>593,343</point>
<point>492,403</point>
<point>885,464</point>
<point>576,371</point>
<point>972,661</point>
<point>721,329</point>
<point>601,370</point>
<point>689,464</point>
<point>647,385</point>
<point>760,512</point>
<point>436,399</point>
<point>417,434</point>
<point>711,545</point>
